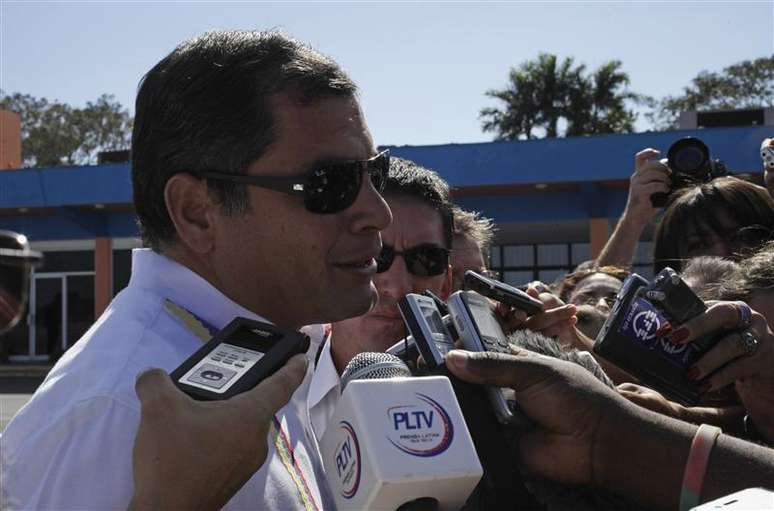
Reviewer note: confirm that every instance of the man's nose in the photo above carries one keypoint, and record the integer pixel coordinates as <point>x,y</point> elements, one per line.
<point>603,304</point>
<point>394,283</point>
<point>369,211</point>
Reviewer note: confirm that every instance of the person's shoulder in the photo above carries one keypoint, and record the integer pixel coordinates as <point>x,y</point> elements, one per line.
<point>101,368</point>
<point>76,456</point>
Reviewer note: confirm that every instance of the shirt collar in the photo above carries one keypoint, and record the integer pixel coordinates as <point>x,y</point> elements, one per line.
<point>325,377</point>
<point>186,288</point>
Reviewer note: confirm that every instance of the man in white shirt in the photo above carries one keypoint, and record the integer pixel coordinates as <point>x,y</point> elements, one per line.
<point>414,258</point>
<point>296,247</point>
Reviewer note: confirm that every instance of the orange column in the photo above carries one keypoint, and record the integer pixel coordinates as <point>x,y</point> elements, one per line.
<point>599,230</point>
<point>103,274</point>
<point>10,140</point>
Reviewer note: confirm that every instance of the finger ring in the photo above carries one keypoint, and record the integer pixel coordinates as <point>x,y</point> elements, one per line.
<point>749,343</point>
<point>745,314</point>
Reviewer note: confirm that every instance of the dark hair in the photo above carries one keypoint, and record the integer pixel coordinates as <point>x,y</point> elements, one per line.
<point>755,273</point>
<point>410,179</point>
<point>703,208</point>
<point>570,281</point>
<point>206,106</point>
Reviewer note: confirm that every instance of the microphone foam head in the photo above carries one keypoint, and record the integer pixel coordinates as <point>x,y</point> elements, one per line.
<point>371,366</point>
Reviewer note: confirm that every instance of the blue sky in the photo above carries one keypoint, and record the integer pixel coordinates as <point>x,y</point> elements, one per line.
<point>423,67</point>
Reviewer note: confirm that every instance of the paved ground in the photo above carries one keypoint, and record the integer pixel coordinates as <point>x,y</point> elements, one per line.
<point>9,405</point>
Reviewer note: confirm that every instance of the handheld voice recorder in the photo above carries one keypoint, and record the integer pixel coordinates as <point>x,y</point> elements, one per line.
<point>479,330</point>
<point>502,292</point>
<point>237,359</point>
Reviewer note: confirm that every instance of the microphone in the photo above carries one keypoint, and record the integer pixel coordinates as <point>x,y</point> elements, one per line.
<point>395,438</point>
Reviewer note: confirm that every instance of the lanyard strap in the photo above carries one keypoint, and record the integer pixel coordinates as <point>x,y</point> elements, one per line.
<point>204,332</point>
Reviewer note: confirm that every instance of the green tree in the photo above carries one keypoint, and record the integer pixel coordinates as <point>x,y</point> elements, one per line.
<point>545,93</point>
<point>55,133</point>
<point>746,84</point>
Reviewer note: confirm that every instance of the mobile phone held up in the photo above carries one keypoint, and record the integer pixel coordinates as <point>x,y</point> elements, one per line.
<point>423,319</point>
<point>237,359</point>
<point>502,292</point>
<point>479,330</point>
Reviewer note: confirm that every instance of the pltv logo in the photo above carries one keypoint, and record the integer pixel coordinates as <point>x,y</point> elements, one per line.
<point>421,429</point>
<point>348,461</point>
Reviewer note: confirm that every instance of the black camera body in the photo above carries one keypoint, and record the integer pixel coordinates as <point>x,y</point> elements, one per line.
<point>690,162</point>
<point>630,336</point>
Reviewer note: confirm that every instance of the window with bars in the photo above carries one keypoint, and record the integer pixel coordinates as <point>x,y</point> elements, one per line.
<point>520,264</point>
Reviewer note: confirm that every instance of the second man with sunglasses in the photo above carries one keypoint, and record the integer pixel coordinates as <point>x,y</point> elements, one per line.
<point>414,257</point>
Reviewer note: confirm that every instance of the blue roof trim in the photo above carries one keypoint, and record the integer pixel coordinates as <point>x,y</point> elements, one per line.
<point>66,186</point>
<point>73,223</point>
<point>575,159</point>
<point>548,205</point>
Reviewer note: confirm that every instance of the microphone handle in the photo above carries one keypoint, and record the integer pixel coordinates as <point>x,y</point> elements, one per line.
<point>502,482</point>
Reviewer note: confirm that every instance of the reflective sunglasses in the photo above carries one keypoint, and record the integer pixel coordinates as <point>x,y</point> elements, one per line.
<point>330,189</point>
<point>421,261</point>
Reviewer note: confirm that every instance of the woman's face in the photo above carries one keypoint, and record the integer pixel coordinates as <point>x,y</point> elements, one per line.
<point>725,239</point>
<point>704,239</point>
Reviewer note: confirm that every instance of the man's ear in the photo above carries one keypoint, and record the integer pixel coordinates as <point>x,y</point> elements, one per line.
<point>192,211</point>
<point>448,281</point>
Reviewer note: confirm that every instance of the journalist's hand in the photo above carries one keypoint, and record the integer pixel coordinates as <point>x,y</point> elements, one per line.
<point>730,361</point>
<point>557,319</point>
<point>196,455</point>
<point>650,176</point>
<point>650,399</point>
<point>571,409</point>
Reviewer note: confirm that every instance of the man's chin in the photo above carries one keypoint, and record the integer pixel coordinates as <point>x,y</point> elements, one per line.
<point>356,304</point>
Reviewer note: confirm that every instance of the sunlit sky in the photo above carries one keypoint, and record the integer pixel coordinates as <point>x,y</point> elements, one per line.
<point>422,67</point>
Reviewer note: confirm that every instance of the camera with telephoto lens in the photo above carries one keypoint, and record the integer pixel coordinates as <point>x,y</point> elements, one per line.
<point>690,162</point>
<point>633,337</point>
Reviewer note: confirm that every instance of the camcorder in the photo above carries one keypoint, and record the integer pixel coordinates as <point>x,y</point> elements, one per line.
<point>631,337</point>
<point>690,162</point>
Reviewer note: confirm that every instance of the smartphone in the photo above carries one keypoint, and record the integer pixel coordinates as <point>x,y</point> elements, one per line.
<point>424,321</point>
<point>237,359</point>
<point>751,499</point>
<point>479,330</point>
<point>502,292</point>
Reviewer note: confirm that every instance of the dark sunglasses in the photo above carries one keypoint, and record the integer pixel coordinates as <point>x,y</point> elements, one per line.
<point>751,236</point>
<point>422,260</point>
<point>330,189</point>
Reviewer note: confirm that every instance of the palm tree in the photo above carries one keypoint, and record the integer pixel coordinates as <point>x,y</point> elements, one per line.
<point>543,91</point>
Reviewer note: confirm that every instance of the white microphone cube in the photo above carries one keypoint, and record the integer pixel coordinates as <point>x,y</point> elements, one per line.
<point>394,440</point>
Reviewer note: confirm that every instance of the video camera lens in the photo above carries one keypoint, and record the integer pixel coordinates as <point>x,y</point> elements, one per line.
<point>689,156</point>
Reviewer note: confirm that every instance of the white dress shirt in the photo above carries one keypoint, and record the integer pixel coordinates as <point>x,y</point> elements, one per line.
<point>70,447</point>
<point>324,391</point>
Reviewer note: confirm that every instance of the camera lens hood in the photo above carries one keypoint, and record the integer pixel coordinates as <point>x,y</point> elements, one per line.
<point>689,156</point>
